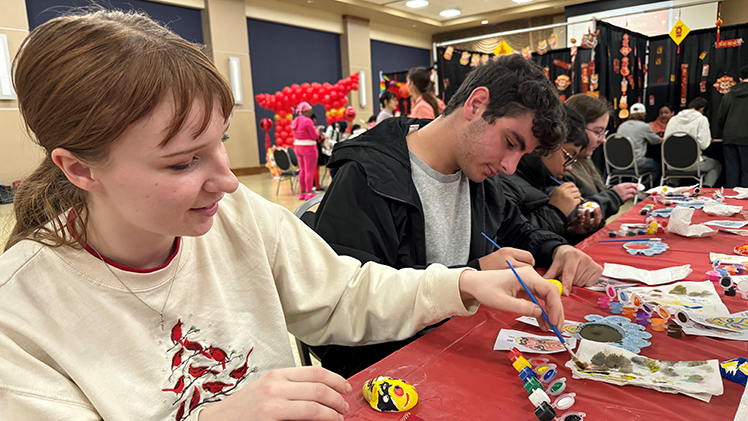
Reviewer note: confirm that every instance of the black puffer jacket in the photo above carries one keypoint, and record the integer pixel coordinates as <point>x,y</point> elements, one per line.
<point>530,188</point>
<point>372,212</point>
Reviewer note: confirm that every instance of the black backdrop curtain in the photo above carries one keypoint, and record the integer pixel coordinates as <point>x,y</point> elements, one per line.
<point>608,51</point>
<point>665,81</point>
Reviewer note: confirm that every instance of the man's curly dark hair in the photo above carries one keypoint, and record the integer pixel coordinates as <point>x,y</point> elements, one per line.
<point>517,86</point>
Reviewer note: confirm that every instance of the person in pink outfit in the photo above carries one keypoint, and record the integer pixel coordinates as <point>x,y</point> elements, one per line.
<point>425,104</point>
<point>305,136</point>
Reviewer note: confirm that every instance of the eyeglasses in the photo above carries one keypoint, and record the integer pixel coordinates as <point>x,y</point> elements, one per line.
<point>570,160</point>
<point>600,134</point>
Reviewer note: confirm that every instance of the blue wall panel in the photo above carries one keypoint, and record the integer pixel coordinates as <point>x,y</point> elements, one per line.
<point>282,55</point>
<point>386,57</point>
<point>182,20</point>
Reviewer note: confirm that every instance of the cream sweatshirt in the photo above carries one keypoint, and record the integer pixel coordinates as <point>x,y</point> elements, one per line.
<point>76,345</point>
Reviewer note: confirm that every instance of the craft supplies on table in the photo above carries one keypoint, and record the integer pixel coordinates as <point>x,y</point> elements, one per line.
<point>649,277</point>
<point>647,248</point>
<point>529,343</point>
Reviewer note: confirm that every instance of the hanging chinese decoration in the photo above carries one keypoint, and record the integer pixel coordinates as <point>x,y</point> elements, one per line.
<point>542,47</point>
<point>724,84</point>
<point>625,71</point>
<point>683,84</point>
<point>679,32</point>
<point>726,43</point>
<point>503,49</point>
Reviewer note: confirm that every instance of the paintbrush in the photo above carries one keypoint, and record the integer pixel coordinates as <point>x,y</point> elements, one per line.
<point>560,183</point>
<point>629,240</point>
<point>574,358</point>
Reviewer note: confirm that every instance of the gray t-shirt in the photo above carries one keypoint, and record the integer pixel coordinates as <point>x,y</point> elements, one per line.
<point>446,210</point>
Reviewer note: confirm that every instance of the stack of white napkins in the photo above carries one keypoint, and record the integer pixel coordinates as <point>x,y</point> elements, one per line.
<point>649,277</point>
<point>720,209</point>
<point>610,364</point>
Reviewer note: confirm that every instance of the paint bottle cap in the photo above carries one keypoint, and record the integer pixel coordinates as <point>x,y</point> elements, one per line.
<point>674,331</point>
<point>557,386</point>
<point>539,396</point>
<point>658,324</point>
<point>573,416</point>
<point>549,375</point>
<point>532,384</point>
<point>611,291</point>
<point>565,401</point>
<point>623,296</point>
<point>526,373</point>
<point>514,353</point>
<point>616,308</point>
<point>537,361</point>
<point>545,412</point>
<point>520,363</point>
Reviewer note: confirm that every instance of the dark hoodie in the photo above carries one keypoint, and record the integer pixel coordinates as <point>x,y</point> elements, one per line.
<point>530,188</point>
<point>732,116</point>
<point>372,212</point>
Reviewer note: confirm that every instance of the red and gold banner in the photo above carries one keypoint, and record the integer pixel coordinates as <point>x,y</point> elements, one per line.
<point>729,43</point>
<point>683,84</point>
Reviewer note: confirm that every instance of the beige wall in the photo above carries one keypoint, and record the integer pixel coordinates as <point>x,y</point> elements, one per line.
<point>355,49</point>
<point>734,12</point>
<point>225,33</point>
<point>18,154</point>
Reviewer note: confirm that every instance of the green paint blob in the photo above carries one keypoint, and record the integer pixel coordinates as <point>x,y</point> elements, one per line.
<point>556,387</point>
<point>679,290</point>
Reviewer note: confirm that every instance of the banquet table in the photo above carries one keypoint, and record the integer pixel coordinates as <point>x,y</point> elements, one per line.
<point>459,376</point>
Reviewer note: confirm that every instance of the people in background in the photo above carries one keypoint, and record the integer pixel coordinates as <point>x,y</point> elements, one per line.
<point>142,281</point>
<point>664,114</point>
<point>420,87</point>
<point>387,105</point>
<point>694,123</point>
<point>641,134</point>
<point>322,158</point>
<point>413,192</point>
<point>587,178</point>
<point>732,121</point>
<point>335,133</point>
<point>305,137</point>
<point>533,187</point>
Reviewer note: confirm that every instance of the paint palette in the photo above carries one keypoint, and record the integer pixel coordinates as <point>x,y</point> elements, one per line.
<point>618,331</point>
<point>647,248</point>
<point>741,250</point>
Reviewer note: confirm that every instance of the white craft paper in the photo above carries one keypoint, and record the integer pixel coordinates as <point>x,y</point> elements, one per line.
<point>698,327</point>
<point>727,224</point>
<point>728,259</point>
<point>742,413</point>
<point>680,223</point>
<point>742,193</point>
<point>704,298</point>
<point>720,209</point>
<point>564,330</point>
<point>604,282</point>
<point>528,343</point>
<point>649,277</point>
<point>700,380</point>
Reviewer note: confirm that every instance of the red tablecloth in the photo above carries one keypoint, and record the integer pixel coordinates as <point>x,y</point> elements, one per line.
<point>460,377</point>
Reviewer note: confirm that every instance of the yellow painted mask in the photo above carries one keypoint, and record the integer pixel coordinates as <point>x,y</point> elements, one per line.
<point>390,395</point>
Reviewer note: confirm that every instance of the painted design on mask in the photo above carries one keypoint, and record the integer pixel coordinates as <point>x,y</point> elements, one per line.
<point>387,394</point>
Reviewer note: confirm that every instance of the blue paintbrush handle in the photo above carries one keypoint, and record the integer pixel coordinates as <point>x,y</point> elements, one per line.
<point>535,300</point>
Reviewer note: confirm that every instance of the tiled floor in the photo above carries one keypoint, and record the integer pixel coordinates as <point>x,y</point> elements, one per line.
<point>262,184</point>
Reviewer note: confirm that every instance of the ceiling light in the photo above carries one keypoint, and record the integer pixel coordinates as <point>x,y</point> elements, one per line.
<point>415,4</point>
<point>484,21</point>
<point>521,1</point>
<point>450,13</point>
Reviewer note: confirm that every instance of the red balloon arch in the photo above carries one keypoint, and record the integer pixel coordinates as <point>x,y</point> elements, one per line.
<point>333,97</point>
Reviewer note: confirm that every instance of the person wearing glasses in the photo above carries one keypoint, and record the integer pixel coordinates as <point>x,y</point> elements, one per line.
<point>534,189</point>
<point>596,115</point>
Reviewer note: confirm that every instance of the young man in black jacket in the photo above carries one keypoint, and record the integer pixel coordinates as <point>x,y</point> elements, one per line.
<point>410,192</point>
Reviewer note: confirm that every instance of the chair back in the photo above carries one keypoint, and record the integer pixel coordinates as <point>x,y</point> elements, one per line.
<point>680,151</point>
<point>304,213</point>
<point>292,155</point>
<point>282,159</point>
<point>619,152</point>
